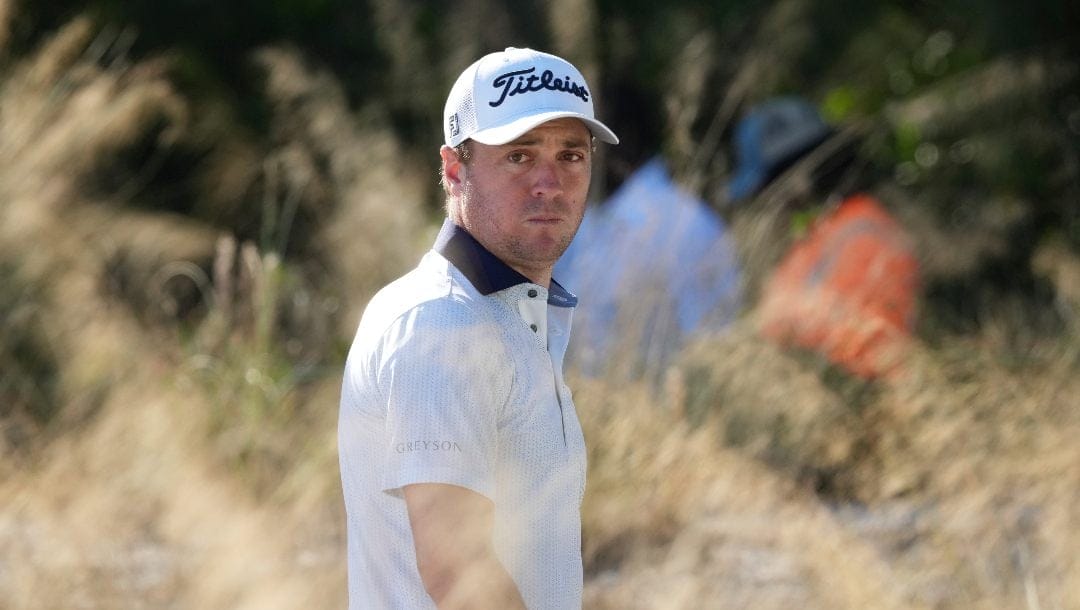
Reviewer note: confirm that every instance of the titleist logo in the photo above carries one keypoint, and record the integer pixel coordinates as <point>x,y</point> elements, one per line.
<point>513,83</point>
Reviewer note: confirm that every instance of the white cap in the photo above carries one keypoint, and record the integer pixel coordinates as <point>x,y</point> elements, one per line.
<point>503,95</point>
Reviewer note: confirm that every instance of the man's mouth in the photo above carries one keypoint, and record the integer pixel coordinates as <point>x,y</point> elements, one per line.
<point>544,220</point>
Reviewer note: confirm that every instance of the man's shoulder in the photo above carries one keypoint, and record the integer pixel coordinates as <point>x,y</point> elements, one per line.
<point>423,284</point>
<point>432,292</point>
<point>433,317</point>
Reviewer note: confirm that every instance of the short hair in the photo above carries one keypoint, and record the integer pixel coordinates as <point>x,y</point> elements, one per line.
<point>464,152</point>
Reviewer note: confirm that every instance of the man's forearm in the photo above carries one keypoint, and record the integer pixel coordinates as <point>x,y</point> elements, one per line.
<point>452,531</point>
<point>482,583</point>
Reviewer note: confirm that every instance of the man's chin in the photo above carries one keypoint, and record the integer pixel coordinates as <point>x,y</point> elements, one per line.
<point>542,253</point>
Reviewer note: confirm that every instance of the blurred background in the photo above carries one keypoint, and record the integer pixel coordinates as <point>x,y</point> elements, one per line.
<point>198,198</point>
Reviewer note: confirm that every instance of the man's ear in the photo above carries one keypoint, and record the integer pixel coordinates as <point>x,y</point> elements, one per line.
<point>453,170</point>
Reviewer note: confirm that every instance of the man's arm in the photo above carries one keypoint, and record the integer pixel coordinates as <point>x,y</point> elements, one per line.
<point>452,531</point>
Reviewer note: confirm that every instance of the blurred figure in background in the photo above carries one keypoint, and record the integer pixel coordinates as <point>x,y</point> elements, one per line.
<point>653,263</point>
<point>770,139</point>
<point>847,288</point>
<point>655,266</point>
<point>462,457</point>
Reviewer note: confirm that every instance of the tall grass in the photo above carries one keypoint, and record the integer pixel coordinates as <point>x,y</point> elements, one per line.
<point>170,390</point>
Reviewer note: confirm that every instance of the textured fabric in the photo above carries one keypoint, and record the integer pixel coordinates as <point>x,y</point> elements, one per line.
<point>444,384</point>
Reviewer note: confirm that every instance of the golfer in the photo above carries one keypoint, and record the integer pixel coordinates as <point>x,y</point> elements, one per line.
<point>462,458</point>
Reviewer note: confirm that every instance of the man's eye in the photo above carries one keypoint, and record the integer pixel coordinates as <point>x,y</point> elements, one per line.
<point>517,157</point>
<point>573,156</point>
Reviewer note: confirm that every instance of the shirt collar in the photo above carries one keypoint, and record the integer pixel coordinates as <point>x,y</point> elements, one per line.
<point>484,270</point>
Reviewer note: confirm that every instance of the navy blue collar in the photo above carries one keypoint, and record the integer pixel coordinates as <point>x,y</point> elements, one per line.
<point>484,270</point>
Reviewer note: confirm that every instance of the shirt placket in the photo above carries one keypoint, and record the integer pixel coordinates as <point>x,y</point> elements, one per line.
<point>559,320</point>
<point>533,309</point>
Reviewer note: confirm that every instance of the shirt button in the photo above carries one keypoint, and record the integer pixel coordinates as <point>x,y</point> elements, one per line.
<point>534,327</point>
<point>532,293</point>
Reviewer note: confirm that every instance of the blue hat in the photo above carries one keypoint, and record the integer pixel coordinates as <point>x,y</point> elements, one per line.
<point>769,138</point>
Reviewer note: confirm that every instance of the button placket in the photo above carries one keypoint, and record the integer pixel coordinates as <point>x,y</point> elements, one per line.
<point>533,311</point>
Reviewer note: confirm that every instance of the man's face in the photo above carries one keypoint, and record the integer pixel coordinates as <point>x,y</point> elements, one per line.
<point>524,200</point>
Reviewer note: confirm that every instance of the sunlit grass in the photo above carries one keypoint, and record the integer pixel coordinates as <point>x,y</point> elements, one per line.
<point>170,394</point>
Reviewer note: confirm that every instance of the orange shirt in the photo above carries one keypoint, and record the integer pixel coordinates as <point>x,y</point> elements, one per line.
<point>847,290</point>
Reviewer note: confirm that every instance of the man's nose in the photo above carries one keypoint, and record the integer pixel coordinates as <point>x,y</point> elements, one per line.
<point>546,180</point>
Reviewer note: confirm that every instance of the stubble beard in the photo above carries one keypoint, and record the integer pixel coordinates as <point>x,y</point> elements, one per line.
<point>513,249</point>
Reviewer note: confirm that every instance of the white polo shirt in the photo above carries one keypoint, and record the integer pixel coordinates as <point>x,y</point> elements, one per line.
<point>455,376</point>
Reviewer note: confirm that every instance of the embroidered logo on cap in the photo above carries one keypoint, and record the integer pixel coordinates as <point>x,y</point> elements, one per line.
<point>512,86</point>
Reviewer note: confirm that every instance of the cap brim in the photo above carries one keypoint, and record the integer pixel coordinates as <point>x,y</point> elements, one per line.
<point>514,129</point>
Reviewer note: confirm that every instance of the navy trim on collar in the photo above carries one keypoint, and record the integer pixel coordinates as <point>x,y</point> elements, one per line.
<point>559,296</point>
<point>487,273</point>
<point>484,270</point>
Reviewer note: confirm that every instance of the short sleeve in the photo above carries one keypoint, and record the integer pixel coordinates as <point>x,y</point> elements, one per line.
<point>445,377</point>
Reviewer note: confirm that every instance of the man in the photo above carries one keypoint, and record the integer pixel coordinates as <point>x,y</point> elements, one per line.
<point>462,459</point>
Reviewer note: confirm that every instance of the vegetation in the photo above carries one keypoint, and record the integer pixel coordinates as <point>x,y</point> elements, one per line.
<point>197,200</point>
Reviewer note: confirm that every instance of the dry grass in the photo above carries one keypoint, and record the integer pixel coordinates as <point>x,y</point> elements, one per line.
<point>128,496</point>
<point>955,476</point>
<point>62,116</point>
<point>193,465</point>
<point>674,520</point>
<point>373,190</point>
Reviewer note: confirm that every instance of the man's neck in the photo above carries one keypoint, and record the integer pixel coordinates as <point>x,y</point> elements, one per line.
<point>487,272</point>
<point>541,277</point>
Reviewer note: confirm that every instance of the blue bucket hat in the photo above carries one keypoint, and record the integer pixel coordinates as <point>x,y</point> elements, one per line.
<point>771,137</point>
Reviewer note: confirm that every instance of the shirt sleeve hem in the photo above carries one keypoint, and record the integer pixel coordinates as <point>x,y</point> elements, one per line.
<point>448,476</point>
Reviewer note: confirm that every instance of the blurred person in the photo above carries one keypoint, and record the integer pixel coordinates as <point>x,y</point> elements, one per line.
<point>659,267</point>
<point>462,457</point>
<point>654,263</point>
<point>847,288</point>
<point>769,139</point>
